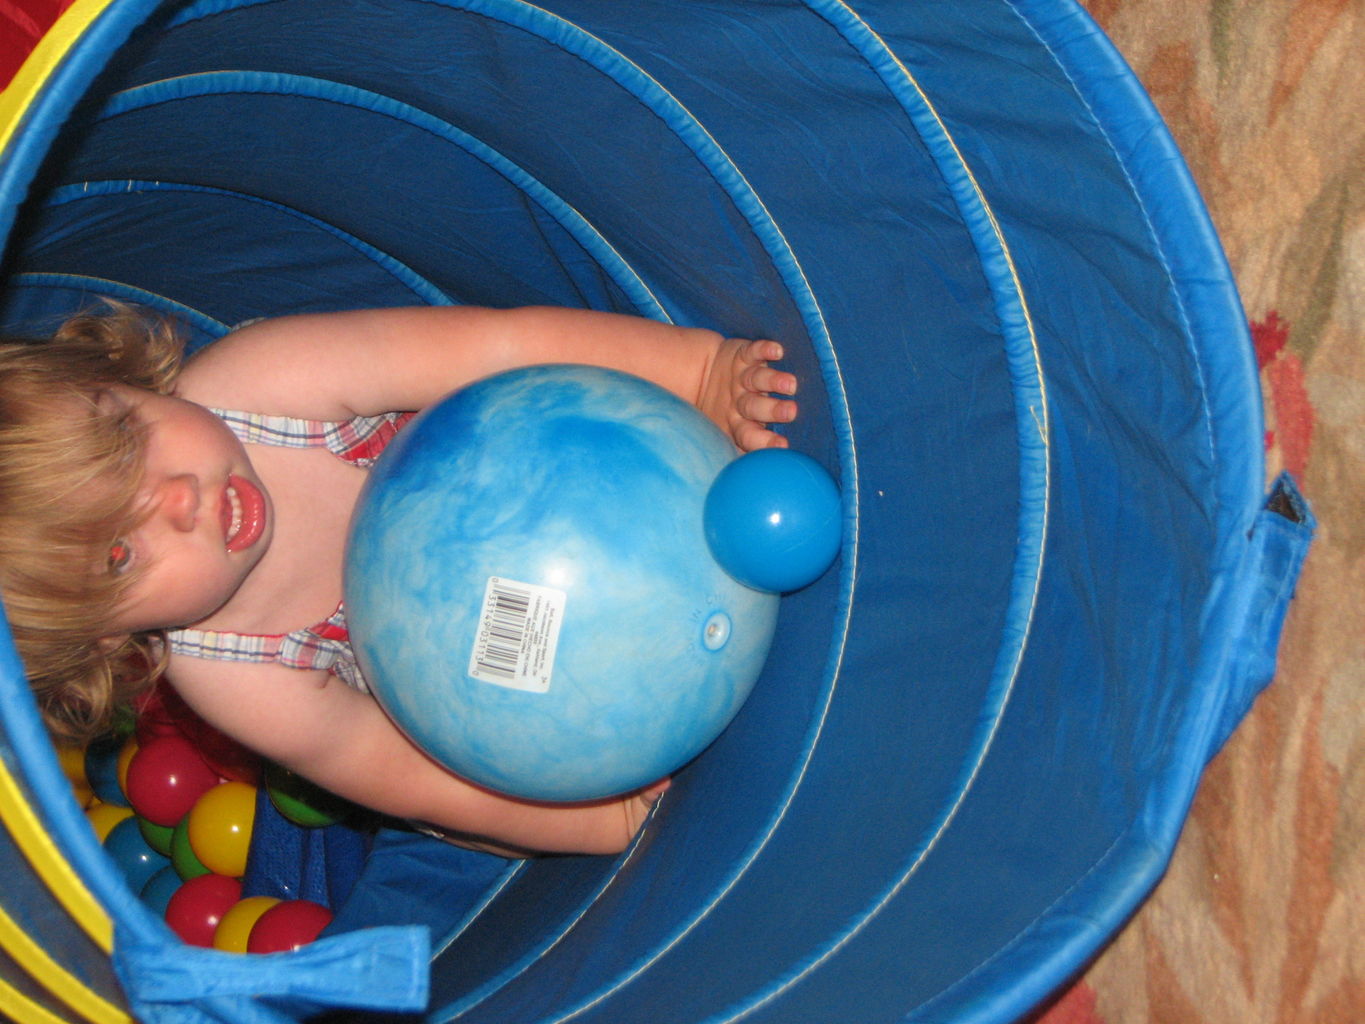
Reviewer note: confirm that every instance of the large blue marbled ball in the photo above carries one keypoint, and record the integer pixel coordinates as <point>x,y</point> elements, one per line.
<point>529,589</point>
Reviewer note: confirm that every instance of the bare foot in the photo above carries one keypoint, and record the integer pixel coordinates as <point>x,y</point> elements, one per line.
<point>742,394</point>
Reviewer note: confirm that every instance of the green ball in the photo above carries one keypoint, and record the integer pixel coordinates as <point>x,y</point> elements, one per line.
<point>158,837</point>
<point>303,803</point>
<point>183,858</point>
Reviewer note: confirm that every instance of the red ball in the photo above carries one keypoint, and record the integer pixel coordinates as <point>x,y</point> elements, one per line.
<point>197,906</point>
<point>162,711</point>
<point>287,926</point>
<point>221,752</point>
<point>157,712</point>
<point>165,778</point>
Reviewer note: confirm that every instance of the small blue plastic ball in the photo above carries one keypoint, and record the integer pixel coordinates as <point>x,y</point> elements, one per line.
<point>158,890</point>
<point>528,587</point>
<point>773,520</point>
<point>101,769</point>
<point>138,861</point>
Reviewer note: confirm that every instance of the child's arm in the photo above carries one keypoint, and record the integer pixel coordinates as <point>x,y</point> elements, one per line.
<point>341,740</point>
<point>336,365</point>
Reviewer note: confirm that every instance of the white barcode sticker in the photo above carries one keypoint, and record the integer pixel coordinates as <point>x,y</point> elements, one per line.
<point>518,632</point>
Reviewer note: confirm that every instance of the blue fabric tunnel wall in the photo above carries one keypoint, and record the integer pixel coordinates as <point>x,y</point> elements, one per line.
<point>1023,358</point>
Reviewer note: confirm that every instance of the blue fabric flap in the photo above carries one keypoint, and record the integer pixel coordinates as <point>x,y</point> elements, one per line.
<point>373,969</point>
<point>1278,544</point>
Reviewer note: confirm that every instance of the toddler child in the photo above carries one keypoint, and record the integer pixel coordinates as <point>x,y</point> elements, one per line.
<point>191,520</point>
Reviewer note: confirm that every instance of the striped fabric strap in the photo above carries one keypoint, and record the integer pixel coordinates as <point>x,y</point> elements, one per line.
<point>358,441</point>
<point>325,646</point>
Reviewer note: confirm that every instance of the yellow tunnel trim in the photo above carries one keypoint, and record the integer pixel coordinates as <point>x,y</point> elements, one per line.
<point>47,860</point>
<point>30,956</point>
<point>44,59</point>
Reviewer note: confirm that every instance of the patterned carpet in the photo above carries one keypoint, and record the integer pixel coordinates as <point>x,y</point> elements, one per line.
<point>1261,917</point>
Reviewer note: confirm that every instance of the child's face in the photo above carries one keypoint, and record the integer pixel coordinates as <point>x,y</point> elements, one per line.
<point>206,519</point>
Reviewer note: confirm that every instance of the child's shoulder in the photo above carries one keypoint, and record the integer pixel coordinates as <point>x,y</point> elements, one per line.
<point>278,367</point>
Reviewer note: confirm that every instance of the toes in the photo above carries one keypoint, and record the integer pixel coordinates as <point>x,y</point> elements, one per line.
<point>765,350</point>
<point>753,436</point>
<point>765,379</point>
<point>764,409</point>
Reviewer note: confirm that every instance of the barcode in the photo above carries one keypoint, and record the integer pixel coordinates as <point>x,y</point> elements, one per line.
<point>518,633</point>
<point>506,609</point>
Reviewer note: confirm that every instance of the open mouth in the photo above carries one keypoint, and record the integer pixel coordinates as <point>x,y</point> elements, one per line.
<point>243,513</point>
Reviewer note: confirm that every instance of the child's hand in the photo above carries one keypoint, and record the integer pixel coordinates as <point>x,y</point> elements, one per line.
<point>740,393</point>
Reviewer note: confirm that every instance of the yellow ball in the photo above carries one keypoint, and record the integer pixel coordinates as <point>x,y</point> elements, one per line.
<point>125,756</point>
<point>103,817</point>
<point>72,761</point>
<point>220,827</point>
<point>85,796</point>
<point>235,926</point>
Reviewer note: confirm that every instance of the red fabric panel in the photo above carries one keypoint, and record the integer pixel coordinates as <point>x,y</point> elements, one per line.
<point>22,24</point>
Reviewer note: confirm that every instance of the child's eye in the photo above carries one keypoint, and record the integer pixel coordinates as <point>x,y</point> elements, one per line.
<point>120,556</point>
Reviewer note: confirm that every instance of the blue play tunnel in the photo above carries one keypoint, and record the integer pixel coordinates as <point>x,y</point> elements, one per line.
<point>1062,577</point>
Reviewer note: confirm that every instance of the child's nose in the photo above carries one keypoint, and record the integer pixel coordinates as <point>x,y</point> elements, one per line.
<point>178,501</point>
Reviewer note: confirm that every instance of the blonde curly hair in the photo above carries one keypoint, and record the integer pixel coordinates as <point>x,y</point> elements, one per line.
<point>70,467</point>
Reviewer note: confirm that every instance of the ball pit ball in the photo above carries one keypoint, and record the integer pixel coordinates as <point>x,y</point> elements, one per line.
<point>228,758</point>
<point>536,607</point>
<point>158,712</point>
<point>163,712</point>
<point>158,890</point>
<point>234,930</point>
<point>127,849</point>
<point>773,520</point>
<point>183,858</point>
<point>103,817</point>
<point>71,758</point>
<point>125,758</point>
<point>287,926</point>
<point>165,778</point>
<point>158,836</point>
<point>101,769</point>
<point>219,827</point>
<point>301,802</point>
<point>199,905</point>
<point>83,795</point>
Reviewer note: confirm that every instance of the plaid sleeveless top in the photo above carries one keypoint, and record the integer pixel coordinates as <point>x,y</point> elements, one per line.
<point>325,645</point>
